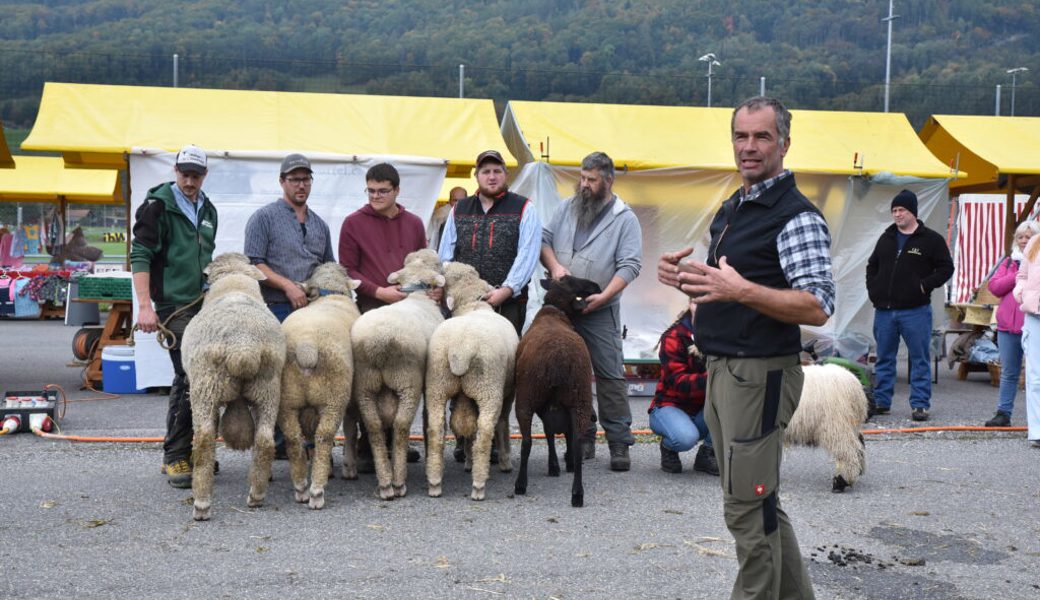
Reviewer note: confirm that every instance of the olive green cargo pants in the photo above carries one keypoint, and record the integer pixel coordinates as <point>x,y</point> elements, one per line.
<point>749,403</point>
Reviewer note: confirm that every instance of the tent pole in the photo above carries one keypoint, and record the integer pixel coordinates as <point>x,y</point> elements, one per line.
<point>1010,215</point>
<point>126,209</point>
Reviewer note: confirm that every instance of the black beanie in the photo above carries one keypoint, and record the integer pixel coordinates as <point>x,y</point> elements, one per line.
<point>907,200</point>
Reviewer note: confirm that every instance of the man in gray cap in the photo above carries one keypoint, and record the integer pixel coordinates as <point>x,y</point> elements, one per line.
<point>286,240</point>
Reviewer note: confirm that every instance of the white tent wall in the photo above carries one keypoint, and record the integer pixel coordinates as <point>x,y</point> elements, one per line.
<point>238,183</point>
<point>675,207</point>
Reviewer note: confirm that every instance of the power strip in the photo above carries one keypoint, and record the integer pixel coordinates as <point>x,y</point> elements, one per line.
<point>24,404</point>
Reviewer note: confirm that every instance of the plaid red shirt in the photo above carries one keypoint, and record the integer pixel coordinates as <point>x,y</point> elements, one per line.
<point>683,374</point>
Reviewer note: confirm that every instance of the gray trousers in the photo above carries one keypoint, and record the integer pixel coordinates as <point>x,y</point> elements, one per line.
<point>179,432</point>
<point>601,331</point>
<point>750,402</point>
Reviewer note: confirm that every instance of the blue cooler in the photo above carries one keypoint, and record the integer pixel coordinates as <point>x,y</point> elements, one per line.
<point>118,374</point>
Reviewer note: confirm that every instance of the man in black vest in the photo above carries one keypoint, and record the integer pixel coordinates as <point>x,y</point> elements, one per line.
<point>768,270</point>
<point>498,232</point>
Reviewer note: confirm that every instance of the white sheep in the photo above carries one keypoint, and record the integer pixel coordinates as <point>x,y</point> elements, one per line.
<point>233,353</point>
<point>830,412</point>
<point>390,348</point>
<point>316,381</point>
<point>471,360</point>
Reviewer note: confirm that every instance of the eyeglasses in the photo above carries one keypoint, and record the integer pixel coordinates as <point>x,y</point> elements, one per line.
<point>299,180</point>
<point>383,193</point>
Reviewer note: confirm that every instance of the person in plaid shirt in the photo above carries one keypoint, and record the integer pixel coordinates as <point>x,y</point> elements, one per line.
<point>677,410</point>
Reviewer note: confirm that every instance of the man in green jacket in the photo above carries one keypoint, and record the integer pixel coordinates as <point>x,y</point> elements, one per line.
<point>174,236</point>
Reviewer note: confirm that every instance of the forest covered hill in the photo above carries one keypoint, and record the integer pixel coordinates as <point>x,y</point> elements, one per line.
<point>947,55</point>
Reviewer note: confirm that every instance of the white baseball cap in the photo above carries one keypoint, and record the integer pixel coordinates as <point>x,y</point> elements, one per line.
<point>191,159</point>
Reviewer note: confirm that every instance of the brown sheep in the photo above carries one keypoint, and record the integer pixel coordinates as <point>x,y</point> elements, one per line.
<point>554,380</point>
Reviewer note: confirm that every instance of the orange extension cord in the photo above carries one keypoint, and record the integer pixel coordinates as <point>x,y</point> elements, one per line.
<point>417,438</point>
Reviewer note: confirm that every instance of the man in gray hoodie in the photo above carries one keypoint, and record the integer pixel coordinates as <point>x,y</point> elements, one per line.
<point>595,235</point>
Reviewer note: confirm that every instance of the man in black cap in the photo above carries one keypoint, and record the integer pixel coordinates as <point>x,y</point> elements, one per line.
<point>909,262</point>
<point>498,232</point>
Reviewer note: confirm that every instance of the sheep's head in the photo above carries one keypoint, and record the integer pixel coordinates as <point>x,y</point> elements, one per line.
<point>569,293</point>
<point>231,263</point>
<point>463,285</point>
<point>421,271</point>
<point>329,278</point>
<point>426,257</point>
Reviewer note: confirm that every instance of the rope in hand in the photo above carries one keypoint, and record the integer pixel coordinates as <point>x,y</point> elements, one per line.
<point>166,338</point>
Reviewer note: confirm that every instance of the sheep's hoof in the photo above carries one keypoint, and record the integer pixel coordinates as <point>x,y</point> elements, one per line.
<point>554,470</point>
<point>200,514</point>
<point>385,493</point>
<point>506,467</point>
<point>469,467</point>
<point>477,493</point>
<point>520,490</point>
<point>317,501</point>
<point>839,484</point>
<point>301,496</point>
<point>434,491</point>
<point>577,500</point>
<point>254,501</point>
<point>350,473</point>
<point>401,491</point>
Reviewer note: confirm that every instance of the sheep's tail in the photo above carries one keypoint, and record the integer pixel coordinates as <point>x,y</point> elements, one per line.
<point>306,356</point>
<point>236,426</point>
<point>309,421</point>
<point>242,361</point>
<point>460,358</point>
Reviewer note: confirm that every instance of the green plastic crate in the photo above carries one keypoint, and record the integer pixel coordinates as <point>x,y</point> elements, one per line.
<point>106,288</point>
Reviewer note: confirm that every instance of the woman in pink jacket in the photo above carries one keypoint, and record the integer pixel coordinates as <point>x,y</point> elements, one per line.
<point>1009,324</point>
<point>1027,294</point>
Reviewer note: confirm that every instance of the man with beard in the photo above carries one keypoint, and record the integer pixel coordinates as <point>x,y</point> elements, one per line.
<point>596,236</point>
<point>286,240</point>
<point>497,232</point>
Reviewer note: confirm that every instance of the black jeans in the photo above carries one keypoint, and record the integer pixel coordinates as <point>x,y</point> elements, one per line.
<point>179,432</point>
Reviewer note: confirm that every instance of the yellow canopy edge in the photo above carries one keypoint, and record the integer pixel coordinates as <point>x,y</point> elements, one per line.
<point>985,147</point>
<point>647,137</point>
<point>47,179</point>
<point>96,124</point>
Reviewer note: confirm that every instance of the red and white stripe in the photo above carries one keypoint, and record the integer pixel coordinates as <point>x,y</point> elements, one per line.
<point>980,241</point>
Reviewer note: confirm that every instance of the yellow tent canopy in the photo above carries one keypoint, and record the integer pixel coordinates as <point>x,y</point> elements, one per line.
<point>5,152</point>
<point>467,183</point>
<point>647,137</point>
<point>96,124</point>
<point>47,179</point>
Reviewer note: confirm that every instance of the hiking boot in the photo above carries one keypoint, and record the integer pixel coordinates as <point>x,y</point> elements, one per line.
<point>1001,419</point>
<point>178,474</point>
<point>460,450</point>
<point>588,449</point>
<point>619,460</point>
<point>919,414</point>
<point>705,461</point>
<point>881,410</point>
<point>670,462</point>
<point>216,468</point>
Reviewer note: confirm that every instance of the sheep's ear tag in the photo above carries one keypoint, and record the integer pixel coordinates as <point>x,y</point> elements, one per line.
<point>450,302</point>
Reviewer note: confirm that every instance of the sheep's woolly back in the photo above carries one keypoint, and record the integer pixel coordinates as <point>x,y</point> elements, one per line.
<point>830,412</point>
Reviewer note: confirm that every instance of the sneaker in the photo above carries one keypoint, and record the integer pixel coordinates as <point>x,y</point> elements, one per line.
<point>882,410</point>
<point>178,474</point>
<point>216,468</point>
<point>705,461</point>
<point>619,460</point>
<point>919,414</point>
<point>588,449</point>
<point>1035,443</point>
<point>1001,419</point>
<point>670,462</point>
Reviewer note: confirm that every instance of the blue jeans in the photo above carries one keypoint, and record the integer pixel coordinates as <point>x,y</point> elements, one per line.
<point>679,431</point>
<point>280,310</point>
<point>1010,346</point>
<point>914,325</point>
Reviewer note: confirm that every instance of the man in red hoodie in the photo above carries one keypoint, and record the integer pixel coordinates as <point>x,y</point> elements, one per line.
<point>373,242</point>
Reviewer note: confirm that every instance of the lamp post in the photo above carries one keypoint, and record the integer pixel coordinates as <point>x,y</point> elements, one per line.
<point>710,59</point>
<point>1014,75</point>
<point>888,53</point>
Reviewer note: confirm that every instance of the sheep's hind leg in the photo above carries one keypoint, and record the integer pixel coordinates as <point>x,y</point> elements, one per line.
<point>203,454</point>
<point>435,406</point>
<point>520,487</point>
<point>265,401</point>
<point>323,440</point>
<point>289,421</point>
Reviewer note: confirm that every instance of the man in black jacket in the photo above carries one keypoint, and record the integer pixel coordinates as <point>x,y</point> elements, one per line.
<point>908,262</point>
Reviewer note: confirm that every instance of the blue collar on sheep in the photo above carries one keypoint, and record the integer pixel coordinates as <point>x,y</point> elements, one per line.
<point>325,292</point>
<point>415,287</point>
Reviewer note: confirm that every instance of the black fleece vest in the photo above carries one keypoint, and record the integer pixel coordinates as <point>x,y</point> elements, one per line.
<point>489,241</point>
<point>746,236</point>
